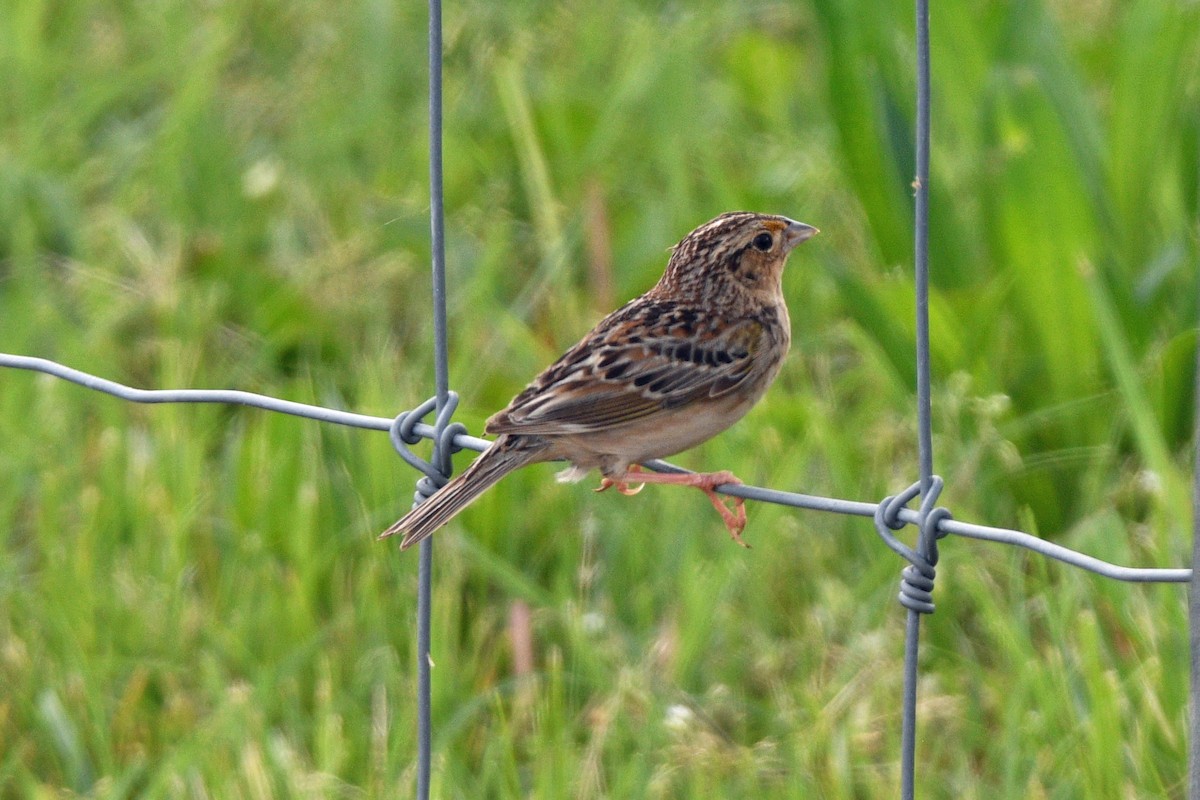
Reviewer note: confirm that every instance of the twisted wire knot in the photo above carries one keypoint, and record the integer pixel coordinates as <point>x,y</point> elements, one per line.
<point>403,434</point>
<point>916,579</point>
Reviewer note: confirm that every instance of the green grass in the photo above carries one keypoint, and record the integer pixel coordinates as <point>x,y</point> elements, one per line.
<point>235,195</point>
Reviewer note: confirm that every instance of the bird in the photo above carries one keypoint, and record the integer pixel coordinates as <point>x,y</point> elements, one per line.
<point>661,374</point>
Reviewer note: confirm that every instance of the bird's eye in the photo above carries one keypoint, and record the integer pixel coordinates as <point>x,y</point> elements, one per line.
<point>763,242</point>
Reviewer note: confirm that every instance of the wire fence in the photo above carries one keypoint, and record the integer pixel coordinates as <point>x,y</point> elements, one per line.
<point>889,515</point>
<point>408,428</point>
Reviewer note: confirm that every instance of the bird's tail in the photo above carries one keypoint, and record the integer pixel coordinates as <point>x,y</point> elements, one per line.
<point>506,454</point>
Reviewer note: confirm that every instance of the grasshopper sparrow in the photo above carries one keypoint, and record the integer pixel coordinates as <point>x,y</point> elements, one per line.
<point>657,376</point>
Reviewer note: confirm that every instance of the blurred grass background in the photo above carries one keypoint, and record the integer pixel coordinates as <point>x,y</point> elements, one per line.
<point>234,194</point>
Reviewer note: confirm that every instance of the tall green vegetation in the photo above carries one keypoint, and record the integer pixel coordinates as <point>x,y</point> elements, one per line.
<point>235,195</point>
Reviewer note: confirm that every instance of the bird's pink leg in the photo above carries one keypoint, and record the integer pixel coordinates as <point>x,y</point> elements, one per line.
<point>733,514</point>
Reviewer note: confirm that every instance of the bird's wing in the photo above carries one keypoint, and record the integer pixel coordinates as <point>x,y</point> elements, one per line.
<point>644,358</point>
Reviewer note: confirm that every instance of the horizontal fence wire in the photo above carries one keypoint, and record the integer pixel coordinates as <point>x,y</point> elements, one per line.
<point>466,442</point>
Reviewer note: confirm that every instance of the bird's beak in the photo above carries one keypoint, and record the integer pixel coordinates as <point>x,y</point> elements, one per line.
<point>797,232</point>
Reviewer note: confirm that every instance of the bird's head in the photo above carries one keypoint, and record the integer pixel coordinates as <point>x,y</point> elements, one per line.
<point>736,252</point>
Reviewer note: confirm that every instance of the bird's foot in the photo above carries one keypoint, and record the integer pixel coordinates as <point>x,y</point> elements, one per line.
<point>731,509</point>
<point>621,483</point>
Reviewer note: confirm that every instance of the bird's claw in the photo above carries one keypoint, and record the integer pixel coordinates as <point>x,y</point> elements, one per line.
<point>622,486</point>
<point>733,513</point>
<point>731,509</point>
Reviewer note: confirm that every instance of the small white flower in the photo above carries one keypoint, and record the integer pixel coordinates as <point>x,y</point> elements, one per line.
<point>261,178</point>
<point>679,717</point>
<point>1150,482</point>
<point>593,622</point>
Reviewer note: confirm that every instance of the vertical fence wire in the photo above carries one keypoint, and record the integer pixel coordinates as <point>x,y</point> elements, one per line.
<point>921,249</point>
<point>912,631</point>
<point>1194,601</point>
<point>424,732</point>
<point>441,372</point>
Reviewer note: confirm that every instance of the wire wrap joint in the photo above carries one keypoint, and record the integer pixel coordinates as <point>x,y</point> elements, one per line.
<point>402,434</point>
<point>916,579</point>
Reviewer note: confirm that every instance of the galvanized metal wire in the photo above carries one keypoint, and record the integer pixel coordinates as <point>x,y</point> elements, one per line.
<point>916,592</point>
<point>1194,602</point>
<point>889,515</point>
<point>441,378</point>
<point>896,513</point>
